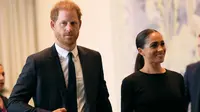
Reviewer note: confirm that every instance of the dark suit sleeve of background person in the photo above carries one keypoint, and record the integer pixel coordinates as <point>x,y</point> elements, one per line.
<point>196,89</point>
<point>103,103</point>
<point>187,86</point>
<point>24,89</point>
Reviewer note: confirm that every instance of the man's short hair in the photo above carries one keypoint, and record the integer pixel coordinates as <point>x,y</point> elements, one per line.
<point>64,5</point>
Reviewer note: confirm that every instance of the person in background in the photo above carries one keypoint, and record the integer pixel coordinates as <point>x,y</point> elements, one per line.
<point>152,88</point>
<point>3,99</point>
<point>65,77</point>
<point>192,83</point>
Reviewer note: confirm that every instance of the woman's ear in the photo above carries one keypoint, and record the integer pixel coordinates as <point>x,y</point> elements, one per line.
<point>141,51</point>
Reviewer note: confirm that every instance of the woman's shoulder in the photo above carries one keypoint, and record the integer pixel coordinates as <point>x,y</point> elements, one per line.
<point>173,73</point>
<point>129,81</point>
<point>133,76</point>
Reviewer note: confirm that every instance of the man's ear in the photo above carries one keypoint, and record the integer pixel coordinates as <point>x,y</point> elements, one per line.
<point>141,51</point>
<point>52,23</point>
<point>80,24</point>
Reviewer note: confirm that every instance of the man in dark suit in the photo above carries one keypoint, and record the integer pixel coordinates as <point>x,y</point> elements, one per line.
<point>192,82</point>
<point>64,77</point>
<point>192,76</point>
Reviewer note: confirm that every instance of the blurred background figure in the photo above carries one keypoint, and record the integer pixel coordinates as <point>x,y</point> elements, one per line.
<point>192,76</point>
<point>3,99</point>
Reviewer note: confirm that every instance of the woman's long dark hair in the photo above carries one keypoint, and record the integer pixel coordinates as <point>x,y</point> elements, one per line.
<point>140,42</point>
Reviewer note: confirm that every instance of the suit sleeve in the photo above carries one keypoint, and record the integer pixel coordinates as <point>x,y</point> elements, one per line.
<point>24,90</point>
<point>187,94</point>
<point>103,103</point>
<point>196,105</point>
<point>126,96</point>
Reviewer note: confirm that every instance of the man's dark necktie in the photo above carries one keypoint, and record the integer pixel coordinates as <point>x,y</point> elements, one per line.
<point>72,98</point>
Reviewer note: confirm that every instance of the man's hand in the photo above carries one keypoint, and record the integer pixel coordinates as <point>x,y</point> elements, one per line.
<point>60,110</point>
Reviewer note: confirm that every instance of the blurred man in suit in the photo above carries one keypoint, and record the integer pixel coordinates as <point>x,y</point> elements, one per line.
<point>192,82</point>
<point>64,77</point>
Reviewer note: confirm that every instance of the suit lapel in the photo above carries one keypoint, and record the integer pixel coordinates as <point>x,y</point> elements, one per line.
<point>60,81</point>
<point>86,72</point>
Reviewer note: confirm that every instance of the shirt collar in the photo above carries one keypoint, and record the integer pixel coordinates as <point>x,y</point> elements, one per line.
<point>63,52</point>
